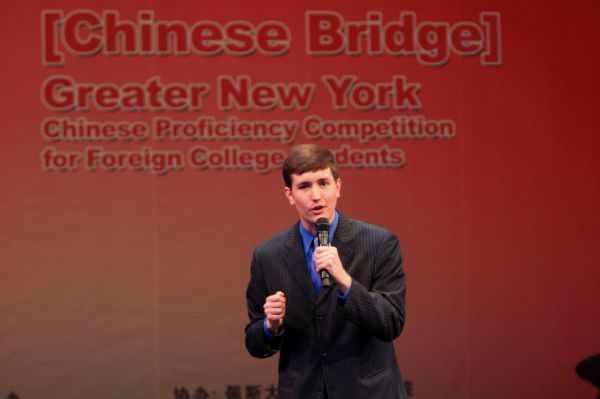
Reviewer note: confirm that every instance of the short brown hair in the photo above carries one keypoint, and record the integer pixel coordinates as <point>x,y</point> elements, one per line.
<point>308,158</point>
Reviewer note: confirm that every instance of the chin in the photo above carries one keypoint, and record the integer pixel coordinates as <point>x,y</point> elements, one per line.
<point>313,219</point>
<point>323,215</point>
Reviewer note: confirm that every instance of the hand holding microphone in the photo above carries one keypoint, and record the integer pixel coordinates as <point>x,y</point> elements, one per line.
<point>328,261</point>
<point>323,238</point>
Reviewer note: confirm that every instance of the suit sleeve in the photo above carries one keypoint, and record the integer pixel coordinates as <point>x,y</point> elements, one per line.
<point>257,343</point>
<point>381,308</point>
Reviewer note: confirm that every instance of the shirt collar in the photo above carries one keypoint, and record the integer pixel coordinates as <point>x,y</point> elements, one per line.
<point>307,237</point>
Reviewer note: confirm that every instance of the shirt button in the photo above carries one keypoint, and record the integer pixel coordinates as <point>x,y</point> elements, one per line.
<point>324,354</point>
<point>320,316</point>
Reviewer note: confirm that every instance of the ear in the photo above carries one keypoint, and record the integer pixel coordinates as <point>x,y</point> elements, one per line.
<point>338,184</point>
<point>288,194</point>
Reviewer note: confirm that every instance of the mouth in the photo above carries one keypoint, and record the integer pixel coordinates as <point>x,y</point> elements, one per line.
<point>317,208</point>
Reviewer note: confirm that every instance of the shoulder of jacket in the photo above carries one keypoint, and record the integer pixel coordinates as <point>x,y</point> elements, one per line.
<point>362,228</point>
<point>276,241</point>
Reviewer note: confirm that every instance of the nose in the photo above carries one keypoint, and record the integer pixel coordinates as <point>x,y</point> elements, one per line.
<point>316,194</point>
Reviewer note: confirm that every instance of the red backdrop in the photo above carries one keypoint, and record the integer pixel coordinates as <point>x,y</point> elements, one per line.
<point>129,283</point>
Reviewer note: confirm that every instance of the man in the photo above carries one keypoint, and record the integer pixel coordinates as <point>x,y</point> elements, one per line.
<point>334,342</point>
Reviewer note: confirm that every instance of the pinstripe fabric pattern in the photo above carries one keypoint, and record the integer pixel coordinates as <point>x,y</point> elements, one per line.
<point>343,348</point>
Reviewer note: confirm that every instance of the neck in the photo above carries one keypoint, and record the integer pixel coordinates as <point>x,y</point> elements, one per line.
<point>311,227</point>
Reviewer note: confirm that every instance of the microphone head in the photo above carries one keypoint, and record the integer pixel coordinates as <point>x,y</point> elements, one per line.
<point>322,224</point>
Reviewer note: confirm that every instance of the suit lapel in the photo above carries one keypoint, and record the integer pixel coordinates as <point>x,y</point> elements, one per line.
<point>296,263</point>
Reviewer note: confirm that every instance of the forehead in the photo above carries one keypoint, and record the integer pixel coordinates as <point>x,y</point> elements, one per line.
<point>312,176</point>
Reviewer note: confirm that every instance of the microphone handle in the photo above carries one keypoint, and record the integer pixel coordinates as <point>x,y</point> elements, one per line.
<point>325,279</point>
<point>324,242</point>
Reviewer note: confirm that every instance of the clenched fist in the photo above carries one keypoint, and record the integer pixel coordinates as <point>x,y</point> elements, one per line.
<point>274,311</point>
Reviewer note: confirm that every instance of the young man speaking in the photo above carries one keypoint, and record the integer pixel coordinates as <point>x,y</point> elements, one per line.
<point>335,342</point>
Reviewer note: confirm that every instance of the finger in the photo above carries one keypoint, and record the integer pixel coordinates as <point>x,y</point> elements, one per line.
<point>274,315</point>
<point>323,250</point>
<point>276,297</point>
<point>278,309</point>
<point>275,302</point>
<point>326,255</point>
<point>324,266</point>
<point>268,306</point>
<point>323,260</point>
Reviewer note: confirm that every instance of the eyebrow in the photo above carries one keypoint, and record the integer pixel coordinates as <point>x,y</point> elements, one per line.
<point>321,180</point>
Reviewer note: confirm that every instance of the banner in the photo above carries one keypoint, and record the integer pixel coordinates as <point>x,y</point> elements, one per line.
<point>142,145</point>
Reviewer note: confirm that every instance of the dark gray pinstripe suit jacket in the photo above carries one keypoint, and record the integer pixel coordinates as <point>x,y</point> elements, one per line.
<point>343,348</point>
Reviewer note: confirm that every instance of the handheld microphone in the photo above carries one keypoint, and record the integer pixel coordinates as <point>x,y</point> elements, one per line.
<point>323,238</point>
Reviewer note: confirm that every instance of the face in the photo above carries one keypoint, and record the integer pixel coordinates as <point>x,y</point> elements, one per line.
<point>315,195</point>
